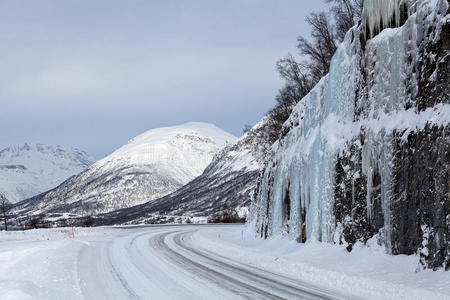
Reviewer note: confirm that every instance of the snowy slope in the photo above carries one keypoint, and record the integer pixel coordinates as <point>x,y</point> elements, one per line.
<point>28,170</point>
<point>148,167</point>
<point>183,150</point>
<point>228,179</point>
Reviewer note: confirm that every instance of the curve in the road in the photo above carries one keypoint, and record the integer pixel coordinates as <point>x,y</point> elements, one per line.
<point>163,262</point>
<point>244,280</point>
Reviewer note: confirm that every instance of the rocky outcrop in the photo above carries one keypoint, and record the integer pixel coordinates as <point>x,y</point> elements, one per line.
<point>366,153</point>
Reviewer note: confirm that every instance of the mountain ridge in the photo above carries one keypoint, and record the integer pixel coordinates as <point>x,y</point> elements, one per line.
<point>147,167</point>
<point>30,169</point>
<point>226,182</point>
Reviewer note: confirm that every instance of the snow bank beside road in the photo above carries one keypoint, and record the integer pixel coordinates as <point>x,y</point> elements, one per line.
<point>52,234</point>
<point>39,269</point>
<point>108,262</point>
<point>366,272</point>
<point>42,263</point>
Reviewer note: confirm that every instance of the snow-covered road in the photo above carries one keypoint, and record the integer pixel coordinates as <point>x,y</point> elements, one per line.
<point>154,262</point>
<point>192,262</point>
<point>163,263</point>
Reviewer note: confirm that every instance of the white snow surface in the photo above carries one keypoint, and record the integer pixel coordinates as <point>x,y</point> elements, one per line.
<point>138,262</point>
<point>365,273</point>
<point>228,179</point>
<point>185,149</point>
<point>244,155</point>
<point>31,169</point>
<point>148,167</point>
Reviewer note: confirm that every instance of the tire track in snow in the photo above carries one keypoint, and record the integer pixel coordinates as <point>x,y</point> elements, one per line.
<point>239,288</point>
<point>243,280</point>
<point>258,275</point>
<point>120,278</point>
<point>161,263</point>
<point>98,277</point>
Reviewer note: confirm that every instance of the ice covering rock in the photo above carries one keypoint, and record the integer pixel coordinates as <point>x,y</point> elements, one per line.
<point>367,152</point>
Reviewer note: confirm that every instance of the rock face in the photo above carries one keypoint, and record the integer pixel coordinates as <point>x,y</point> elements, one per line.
<point>228,180</point>
<point>148,167</point>
<point>366,154</point>
<point>28,170</point>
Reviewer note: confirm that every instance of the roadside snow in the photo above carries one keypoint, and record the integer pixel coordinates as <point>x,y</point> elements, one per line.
<point>100,263</point>
<point>41,264</point>
<point>366,272</point>
<point>50,264</point>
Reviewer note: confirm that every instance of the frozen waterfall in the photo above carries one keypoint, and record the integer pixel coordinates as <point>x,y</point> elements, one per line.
<point>353,117</point>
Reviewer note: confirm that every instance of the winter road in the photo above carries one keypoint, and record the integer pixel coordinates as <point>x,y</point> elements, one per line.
<point>162,262</point>
<point>199,262</point>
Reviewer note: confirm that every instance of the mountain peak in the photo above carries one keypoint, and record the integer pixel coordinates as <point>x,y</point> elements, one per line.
<point>30,169</point>
<point>149,166</point>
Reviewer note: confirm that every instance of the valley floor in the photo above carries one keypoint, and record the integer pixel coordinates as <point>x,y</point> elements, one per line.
<point>201,262</point>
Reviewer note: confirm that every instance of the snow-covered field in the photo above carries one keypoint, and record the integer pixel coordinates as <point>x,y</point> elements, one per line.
<point>200,262</point>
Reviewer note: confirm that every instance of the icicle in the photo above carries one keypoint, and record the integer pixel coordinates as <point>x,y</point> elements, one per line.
<point>367,169</point>
<point>379,14</point>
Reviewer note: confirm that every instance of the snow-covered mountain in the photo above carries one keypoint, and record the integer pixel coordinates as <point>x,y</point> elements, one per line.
<point>28,170</point>
<point>148,167</point>
<point>228,180</point>
<point>366,155</point>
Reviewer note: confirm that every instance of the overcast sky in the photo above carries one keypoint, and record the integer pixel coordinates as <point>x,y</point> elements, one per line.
<point>93,74</point>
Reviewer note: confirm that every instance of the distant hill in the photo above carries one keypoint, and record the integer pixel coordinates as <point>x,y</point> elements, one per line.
<point>30,169</point>
<point>148,167</point>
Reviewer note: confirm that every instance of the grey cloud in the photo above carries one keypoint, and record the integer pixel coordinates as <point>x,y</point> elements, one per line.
<point>93,74</point>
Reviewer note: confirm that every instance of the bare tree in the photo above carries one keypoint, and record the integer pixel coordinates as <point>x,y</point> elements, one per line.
<point>321,49</point>
<point>226,215</point>
<point>346,14</point>
<point>4,209</point>
<point>327,30</point>
<point>295,74</point>
<point>88,222</point>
